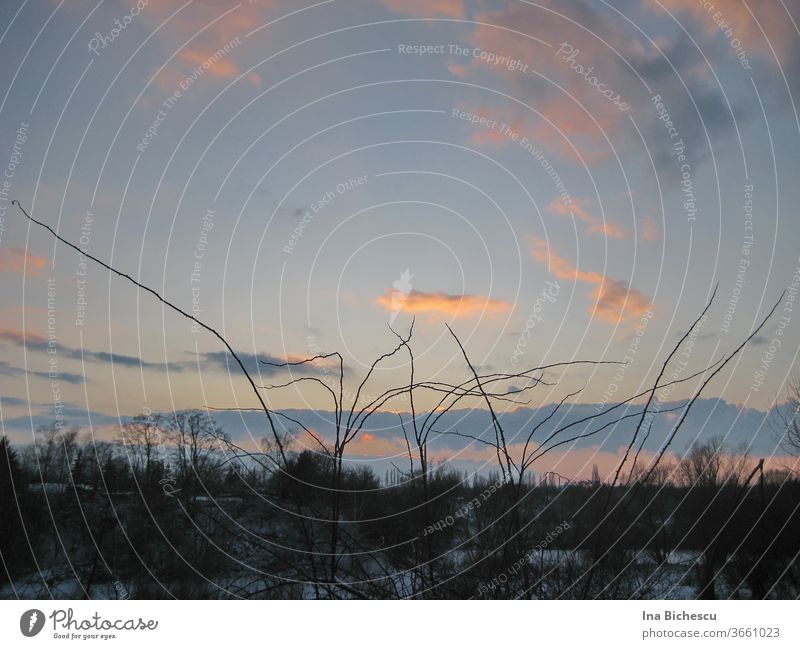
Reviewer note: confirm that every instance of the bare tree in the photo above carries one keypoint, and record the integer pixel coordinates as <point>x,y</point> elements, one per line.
<point>787,419</point>
<point>142,437</point>
<point>195,438</point>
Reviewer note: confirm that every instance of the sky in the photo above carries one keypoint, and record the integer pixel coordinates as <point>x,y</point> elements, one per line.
<point>554,181</point>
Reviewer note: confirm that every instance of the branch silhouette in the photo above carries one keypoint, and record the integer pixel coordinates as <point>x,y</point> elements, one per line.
<point>172,306</point>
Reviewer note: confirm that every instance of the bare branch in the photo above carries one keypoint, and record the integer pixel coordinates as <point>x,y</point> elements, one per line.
<point>172,306</point>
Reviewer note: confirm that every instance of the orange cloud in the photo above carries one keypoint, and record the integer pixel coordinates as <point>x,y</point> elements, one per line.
<point>595,225</point>
<point>367,445</point>
<point>559,266</point>
<point>613,300</point>
<point>223,67</point>
<point>209,27</point>
<point>427,8</point>
<point>15,258</point>
<point>452,306</point>
<point>457,69</point>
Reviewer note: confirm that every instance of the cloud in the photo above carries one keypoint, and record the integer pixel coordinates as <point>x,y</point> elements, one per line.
<point>363,445</point>
<point>573,464</point>
<point>559,266</point>
<point>19,337</point>
<point>222,67</point>
<point>614,301</point>
<point>603,54</point>
<point>763,32</point>
<point>17,259</point>
<point>7,369</point>
<point>263,364</point>
<point>218,361</point>
<point>775,22</point>
<point>36,342</point>
<point>594,225</point>
<point>576,114</point>
<point>427,8</point>
<point>208,26</point>
<point>452,306</point>
<point>13,401</point>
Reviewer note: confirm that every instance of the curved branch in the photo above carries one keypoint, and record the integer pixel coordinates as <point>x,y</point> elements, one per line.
<point>175,308</point>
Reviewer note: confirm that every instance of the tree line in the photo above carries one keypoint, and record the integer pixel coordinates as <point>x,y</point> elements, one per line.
<point>166,510</point>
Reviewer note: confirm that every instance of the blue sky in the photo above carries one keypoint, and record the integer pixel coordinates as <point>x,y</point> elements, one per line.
<point>259,112</point>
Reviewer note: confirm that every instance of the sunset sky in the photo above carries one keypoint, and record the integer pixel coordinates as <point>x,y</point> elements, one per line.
<point>555,181</point>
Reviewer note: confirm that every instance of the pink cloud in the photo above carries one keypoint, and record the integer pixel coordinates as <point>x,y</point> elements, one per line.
<point>576,120</point>
<point>595,225</point>
<point>427,8</point>
<point>614,301</point>
<point>18,337</point>
<point>18,259</point>
<point>209,27</point>
<point>572,463</point>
